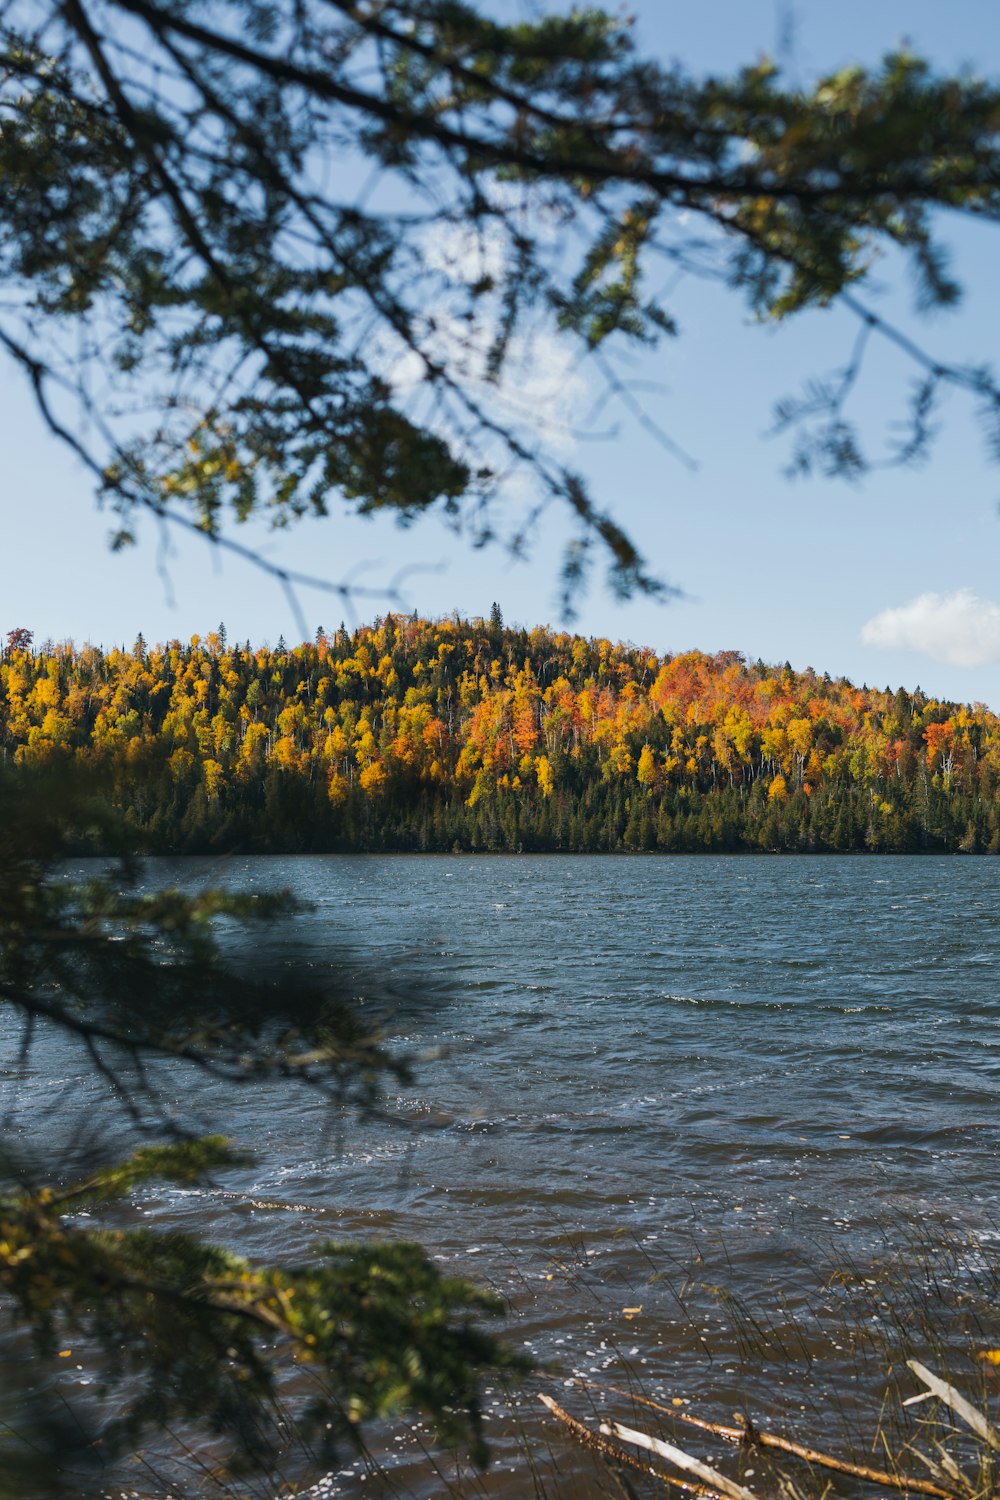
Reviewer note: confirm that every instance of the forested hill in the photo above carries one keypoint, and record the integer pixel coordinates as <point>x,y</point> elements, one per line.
<point>455,734</point>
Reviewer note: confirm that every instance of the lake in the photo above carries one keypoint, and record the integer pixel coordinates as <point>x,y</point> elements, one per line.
<point>721,1128</point>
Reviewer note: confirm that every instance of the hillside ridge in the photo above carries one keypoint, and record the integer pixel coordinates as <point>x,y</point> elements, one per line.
<point>428,735</point>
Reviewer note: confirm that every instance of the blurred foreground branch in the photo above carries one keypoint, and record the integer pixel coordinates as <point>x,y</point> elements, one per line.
<point>176,1329</point>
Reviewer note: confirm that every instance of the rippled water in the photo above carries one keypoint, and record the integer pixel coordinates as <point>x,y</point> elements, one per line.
<point>754,1098</point>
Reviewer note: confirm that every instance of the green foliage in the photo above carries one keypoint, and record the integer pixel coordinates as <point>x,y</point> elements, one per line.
<point>300,346</point>
<point>201,1334</point>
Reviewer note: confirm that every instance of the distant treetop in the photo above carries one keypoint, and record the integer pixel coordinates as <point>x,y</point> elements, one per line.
<point>416,734</point>
<point>19,640</point>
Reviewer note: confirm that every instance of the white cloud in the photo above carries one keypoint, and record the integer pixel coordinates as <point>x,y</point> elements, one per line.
<point>543,384</point>
<point>959,629</point>
<point>467,252</point>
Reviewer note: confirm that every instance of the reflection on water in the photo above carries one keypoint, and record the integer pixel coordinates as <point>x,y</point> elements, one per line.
<point>687,1087</point>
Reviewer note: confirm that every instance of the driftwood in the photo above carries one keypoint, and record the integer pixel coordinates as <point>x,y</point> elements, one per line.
<point>618,1455</point>
<point>962,1408</point>
<point>753,1435</point>
<point>710,1484</point>
<point>680,1459</point>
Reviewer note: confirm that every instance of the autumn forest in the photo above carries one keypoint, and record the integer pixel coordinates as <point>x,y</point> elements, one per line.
<point>417,735</point>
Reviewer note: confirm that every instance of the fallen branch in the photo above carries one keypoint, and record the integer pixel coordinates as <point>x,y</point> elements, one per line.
<point>962,1408</point>
<point>682,1460</point>
<point>748,1434</point>
<point>618,1455</point>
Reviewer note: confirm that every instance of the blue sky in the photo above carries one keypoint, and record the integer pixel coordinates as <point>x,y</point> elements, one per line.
<point>771,567</point>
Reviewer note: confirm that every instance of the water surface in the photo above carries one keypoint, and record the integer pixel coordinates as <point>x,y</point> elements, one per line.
<point>754,1098</point>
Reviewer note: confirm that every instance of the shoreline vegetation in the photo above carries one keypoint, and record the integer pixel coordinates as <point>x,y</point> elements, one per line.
<point>455,735</point>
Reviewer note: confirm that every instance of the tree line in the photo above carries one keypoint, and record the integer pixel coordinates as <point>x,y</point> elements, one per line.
<point>413,735</point>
